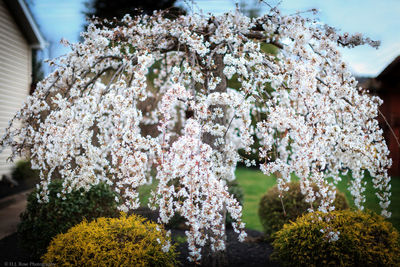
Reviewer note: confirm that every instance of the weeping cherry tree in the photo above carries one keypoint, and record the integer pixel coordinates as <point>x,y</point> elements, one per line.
<point>86,121</point>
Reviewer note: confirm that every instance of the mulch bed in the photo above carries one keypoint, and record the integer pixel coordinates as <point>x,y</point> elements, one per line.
<point>11,252</point>
<point>250,253</point>
<point>254,251</point>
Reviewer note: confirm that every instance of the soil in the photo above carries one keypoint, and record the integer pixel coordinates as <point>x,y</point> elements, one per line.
<point>254,251</point>
<point>11,252</point>
<point>250,253</point>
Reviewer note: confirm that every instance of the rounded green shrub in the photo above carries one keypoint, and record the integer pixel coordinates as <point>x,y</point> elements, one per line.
<point>23,171</point>
<point>272,215</point>
<point>40,222</point>
<point>124,241</point>
<point>365,239</point>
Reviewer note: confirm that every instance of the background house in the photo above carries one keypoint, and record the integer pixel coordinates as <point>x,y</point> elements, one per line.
<point>19,34</point>
<point>387,86</point>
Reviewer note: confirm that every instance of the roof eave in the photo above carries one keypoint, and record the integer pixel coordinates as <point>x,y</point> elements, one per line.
<point>26,22</point>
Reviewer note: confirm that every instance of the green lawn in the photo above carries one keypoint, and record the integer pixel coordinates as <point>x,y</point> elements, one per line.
<point>255,184</point>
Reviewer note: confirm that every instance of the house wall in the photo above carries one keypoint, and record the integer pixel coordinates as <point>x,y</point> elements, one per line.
<point>15,75</point>
<point>391,110</point>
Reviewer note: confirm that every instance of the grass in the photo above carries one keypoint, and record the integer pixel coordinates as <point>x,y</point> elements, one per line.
<point>255,184</point>
<point>144,193</point>
<point>372,202</point>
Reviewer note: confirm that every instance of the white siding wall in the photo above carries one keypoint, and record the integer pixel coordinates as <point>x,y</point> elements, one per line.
<point>15,75</point>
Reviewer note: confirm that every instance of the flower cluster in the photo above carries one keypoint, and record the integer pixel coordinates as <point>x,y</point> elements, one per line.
<point>319,123</point>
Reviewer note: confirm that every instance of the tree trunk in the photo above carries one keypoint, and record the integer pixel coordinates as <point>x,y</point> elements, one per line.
<point>209,257</point>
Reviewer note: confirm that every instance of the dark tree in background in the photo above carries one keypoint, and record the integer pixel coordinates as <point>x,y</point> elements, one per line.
<point>37,58</point>
<point>118,8</point>
<point>37,69</point>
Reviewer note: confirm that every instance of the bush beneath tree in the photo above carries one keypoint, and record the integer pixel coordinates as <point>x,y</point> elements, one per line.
<point>340,238</point>
<point>40,222</point>
<point>23,171</point>
<point>272,215</point>
<point>124,241</point>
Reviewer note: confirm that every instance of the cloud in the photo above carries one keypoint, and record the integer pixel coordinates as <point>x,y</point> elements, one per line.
<point>363,69</point>
<point>369,62</point>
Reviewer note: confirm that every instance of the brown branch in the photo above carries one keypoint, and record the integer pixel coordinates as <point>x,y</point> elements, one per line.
<point>134,62</point>
<point>175,46</point>
<point>259,35</point>
<point>114,76</point>
<point>283,206</point>
<point>96,77</point>
<point>99,61</point>
<point>391,129</point>
<point>212,54</point>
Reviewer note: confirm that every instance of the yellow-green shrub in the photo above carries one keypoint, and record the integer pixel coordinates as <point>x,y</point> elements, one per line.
<point>365,239</point>
<point>124,241</point>
<point>271,212</point>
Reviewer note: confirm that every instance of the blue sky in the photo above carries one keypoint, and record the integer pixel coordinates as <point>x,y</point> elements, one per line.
<point>378,19</point>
